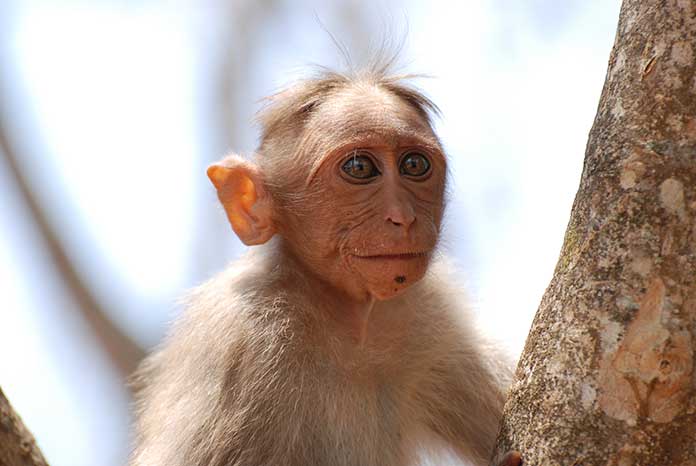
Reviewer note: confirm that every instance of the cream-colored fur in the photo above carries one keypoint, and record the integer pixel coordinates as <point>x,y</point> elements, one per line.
<point>256,372</point>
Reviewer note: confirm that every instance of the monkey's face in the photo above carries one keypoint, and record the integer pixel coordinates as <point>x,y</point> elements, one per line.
<point>359,202</point>
<point>375,196</point>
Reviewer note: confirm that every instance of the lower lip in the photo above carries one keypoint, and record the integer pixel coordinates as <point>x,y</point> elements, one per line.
<point>395,257</point>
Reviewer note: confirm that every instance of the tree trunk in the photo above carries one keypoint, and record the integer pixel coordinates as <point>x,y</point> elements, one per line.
<point>606,376</point>
<point>17,445</point>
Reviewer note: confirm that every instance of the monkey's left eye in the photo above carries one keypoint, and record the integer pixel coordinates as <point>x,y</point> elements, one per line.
<point>360,166</point>
<point>414,164</point>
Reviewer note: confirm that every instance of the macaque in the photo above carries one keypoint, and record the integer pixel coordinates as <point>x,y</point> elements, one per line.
<point>342,337</point>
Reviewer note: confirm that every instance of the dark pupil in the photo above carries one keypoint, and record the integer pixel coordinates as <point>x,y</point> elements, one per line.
<point>359,167</point>
<point>415,165</point>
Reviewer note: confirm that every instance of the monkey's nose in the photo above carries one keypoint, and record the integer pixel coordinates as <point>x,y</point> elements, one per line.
<point>399,223</point>
<point>400,218</point>
<point>398,209</point>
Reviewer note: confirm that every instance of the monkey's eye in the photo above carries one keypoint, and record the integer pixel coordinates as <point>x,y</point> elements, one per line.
<point>360,166</point>
<point>414,164</point>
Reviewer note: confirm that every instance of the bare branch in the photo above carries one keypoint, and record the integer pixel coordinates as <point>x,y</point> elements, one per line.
<point>123,351</point>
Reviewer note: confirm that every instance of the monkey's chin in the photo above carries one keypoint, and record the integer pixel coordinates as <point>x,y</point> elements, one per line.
<point>387,276</point>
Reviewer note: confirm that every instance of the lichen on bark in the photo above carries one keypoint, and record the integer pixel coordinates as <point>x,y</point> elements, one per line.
<point>607,376</point>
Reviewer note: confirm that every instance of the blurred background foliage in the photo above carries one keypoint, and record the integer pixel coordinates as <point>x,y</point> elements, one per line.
<point>110,110</point>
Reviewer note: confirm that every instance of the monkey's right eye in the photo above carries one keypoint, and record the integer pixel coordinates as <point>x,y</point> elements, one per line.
<point>360,166</point>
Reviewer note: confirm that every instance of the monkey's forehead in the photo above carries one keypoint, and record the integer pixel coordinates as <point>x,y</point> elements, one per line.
<point>372,117</point>
<point>363,107</point>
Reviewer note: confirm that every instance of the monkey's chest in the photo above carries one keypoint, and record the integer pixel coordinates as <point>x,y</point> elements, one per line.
<point>361,413</point>
<point>358,424</point>
<point>356,406</point>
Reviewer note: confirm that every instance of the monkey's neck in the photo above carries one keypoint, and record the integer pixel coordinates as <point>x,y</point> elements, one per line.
<point>361,317</point>
<point>351,314</point>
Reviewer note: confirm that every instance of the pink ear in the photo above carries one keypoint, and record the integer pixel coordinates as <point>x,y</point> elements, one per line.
<point>246,202</point>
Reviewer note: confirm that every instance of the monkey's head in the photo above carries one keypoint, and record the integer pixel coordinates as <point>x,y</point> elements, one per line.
<point>351,175</point>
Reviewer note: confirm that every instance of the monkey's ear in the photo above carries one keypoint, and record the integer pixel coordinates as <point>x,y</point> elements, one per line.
<point>248,205</point>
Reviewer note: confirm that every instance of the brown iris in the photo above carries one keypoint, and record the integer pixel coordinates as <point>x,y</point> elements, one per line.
<point>360,166</point>
<point>414,164</point>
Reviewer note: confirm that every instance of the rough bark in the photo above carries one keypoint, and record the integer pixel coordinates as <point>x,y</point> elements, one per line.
<point>606,376</point>
<point>17,445</point>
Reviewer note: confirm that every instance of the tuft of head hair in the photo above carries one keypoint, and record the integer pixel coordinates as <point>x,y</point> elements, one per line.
<point>289,109</point>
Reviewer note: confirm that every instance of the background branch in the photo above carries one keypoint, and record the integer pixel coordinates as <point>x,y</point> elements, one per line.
<point>123,352</point>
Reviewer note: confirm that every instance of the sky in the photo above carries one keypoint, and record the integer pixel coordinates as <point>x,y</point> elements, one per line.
<point>113,101</point>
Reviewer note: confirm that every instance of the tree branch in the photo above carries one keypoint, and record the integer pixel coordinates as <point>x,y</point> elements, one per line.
<point>122,350</point>
<point>17,445</point>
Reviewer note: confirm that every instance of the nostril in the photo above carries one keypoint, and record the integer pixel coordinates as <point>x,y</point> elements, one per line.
<point>401,222</point>
<point>400,214</point>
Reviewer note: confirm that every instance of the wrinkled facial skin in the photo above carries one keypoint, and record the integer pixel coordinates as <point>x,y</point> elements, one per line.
<point>375,199</point>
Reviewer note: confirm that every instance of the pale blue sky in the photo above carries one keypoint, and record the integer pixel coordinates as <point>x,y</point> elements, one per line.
<point>114,101</point>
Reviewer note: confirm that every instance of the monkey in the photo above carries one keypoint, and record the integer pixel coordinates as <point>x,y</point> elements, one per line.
<point>341,337</point>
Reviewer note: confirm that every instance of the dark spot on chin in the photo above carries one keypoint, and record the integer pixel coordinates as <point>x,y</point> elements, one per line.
<point>399,279</point>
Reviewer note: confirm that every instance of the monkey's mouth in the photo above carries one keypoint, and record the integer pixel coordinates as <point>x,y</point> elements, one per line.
<point>397,256</point>
<point>391,271</point>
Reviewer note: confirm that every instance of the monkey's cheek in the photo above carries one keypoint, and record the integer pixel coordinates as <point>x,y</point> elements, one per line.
<point>387,278</point>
